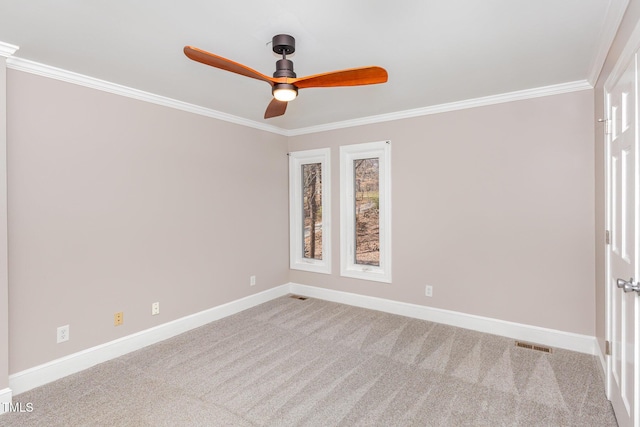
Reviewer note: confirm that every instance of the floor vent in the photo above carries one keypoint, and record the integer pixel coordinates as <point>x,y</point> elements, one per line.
<point>298,297</point>
<point>536,347</point>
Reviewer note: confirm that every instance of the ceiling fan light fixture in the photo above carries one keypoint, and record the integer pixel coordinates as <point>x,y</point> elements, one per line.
<point>285,92</point>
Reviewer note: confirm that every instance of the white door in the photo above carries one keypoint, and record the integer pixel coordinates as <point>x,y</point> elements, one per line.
<point>622,301</point>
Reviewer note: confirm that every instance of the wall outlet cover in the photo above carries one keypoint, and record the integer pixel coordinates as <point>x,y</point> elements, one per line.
<point>118,318</point>
<point>63,334</point>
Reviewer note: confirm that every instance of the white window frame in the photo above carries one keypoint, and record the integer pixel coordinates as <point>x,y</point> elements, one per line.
<point>348,267</point>
<point>296,241</point>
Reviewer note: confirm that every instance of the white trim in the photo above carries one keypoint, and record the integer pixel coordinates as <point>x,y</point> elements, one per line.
<point>105,86</point>
<point>551,337</point>
<point>82,80</point>
<point>602,357</point>
<point>629,50</point>
<point>628,54</point>
<point>452,106</point>
<point>607,254</point>
<point>296,260</point>
<point>612,21</point>
<point>5,397</point>
<point>7,49</point>
<point>609,379</point>
<point>59,368</point>
<point>348,266</point>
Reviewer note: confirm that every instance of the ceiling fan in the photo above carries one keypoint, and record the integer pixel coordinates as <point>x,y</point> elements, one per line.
<point>284,82</point>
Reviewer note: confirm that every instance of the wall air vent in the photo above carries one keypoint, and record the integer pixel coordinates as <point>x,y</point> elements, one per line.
<point>536,347</point>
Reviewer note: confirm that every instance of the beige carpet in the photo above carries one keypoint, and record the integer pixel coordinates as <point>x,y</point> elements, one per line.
<point>290,362</point>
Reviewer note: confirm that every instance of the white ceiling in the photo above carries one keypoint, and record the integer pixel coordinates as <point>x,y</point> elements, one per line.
<point>436,51</point>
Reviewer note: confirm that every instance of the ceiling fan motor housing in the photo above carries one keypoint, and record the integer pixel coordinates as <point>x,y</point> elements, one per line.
<point>284,68</point>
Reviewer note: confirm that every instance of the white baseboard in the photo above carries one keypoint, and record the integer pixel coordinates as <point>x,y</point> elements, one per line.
<point>59,368</point>
<point>601,356</point>
<point>5,399</point>
<point>533,334</point>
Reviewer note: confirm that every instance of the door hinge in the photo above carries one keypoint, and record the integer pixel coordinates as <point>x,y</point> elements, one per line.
<point>607,125</point>
<point>607,237</point>
<point>607,348</point>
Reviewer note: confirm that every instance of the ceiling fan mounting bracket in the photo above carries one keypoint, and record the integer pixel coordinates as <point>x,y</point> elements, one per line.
<point>283,44</point>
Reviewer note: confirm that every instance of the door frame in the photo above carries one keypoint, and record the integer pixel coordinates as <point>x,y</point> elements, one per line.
<point>631,47</point>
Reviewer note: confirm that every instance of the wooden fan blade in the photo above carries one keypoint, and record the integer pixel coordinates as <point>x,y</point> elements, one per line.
<point>275,108</point>
<point>349,77</point>
<point>208,58</point>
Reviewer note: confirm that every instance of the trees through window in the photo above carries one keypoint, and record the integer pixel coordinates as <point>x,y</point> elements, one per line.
<point>365,211</point>
<point>366,173</point>
<point>309,210</point>
<point>312,205</point>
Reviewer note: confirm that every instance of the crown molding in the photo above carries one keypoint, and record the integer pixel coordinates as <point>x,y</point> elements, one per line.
<point>94,83</point>
<point>452,106</point>
<point>615,13</point>
<point>7,49</point>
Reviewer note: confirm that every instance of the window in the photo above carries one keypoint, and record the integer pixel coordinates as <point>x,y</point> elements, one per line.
<point>365,211</point>
<point>310,210</point>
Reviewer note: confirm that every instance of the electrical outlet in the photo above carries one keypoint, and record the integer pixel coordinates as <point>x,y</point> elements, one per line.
<point>252,280</point>
<point>155,308</point>
<point>63,334</point>
<point>428,291</point>
<point>118,318</point>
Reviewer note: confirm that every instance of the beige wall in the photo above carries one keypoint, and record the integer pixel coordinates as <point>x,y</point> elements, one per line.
<point>116,203</point>
<point>631,19</point>
<point>492,206</point>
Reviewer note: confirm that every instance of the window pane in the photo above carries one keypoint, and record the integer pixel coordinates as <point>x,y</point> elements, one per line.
<point>312,210</point>
<point>367,211</point>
